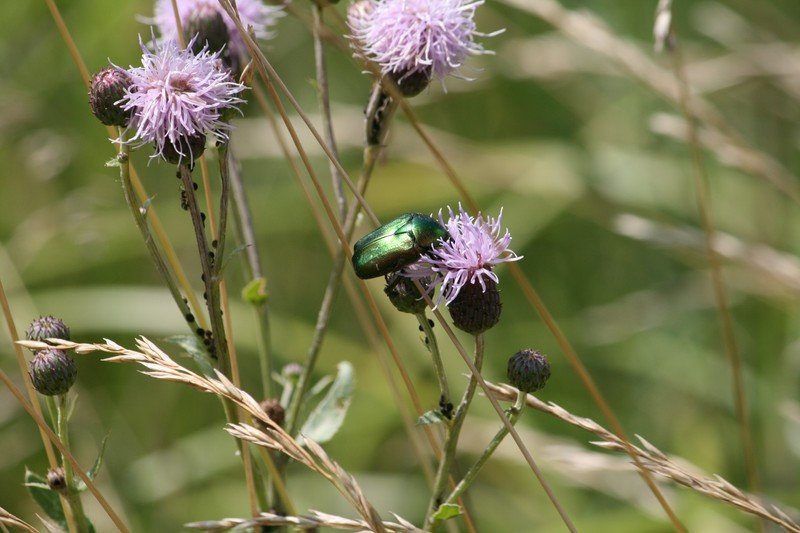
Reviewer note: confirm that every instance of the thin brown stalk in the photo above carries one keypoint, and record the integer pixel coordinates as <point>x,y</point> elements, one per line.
<point>677,470</point>
<point>37,418</point>
<point>720,292</point>
<point>323,98</point>
<point>351,291</point>
<point>32,397</point>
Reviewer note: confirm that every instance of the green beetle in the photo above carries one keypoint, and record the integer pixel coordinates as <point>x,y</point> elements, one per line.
<point>395,244</point>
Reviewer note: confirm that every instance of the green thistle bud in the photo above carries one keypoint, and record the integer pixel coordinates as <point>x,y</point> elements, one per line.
<point>475,310</point>
<point>47,327</point>
<point>52,372</point>
<point>528,370</point>
<point>275,412</point>
<point>404,295</point>
<point>107,88</point>
<point>56,480</point>
<point>188,150</point>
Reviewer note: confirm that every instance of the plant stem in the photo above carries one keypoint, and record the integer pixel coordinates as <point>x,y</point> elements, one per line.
<point>325,108</point>
<point>445,405</point>
<point>513,415</point>
<point>73,496</point>
<point>220,348</point>
<point>246,235</point>
<point>139,216</point>
<point>451,440</point>
<point>371,153</point>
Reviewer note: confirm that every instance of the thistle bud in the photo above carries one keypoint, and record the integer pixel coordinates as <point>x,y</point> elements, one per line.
<point>475,310</point>
<point>411,83</point>
<point>528,370</point>
<point>205,26</point>
<point>47,327</point>
<point>292,371</point>
<point>107,88</point>
<point>275,412</point>
<point>52,372</point>
<point>186,151</point>
<point>404,295</point>
<point>56,480</point>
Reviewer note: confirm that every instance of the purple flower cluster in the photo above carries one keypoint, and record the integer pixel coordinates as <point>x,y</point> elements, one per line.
<point>405,37</point>
<point>252,12</point>
<point>176,95</point>
<point>476,245</point>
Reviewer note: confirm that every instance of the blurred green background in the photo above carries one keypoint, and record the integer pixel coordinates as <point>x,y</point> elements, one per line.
<point>599,201</point>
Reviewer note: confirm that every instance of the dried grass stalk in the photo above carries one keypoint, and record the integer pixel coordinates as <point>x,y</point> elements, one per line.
<point>313,520</point>
<point>9,520</point>
<point>659,463</point>
<point>160,366</point>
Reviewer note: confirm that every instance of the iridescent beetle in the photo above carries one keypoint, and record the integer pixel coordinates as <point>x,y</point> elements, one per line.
<point>396,244</point>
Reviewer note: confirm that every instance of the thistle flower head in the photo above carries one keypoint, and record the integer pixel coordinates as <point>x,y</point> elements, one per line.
<point>476,245</point>
<point>528,370</point>
<point>107,87</point>
<point>252,12</point>
<point>52,372</point>
<point>406,37</point>
<point>176,95</point>
<point>47,327</point>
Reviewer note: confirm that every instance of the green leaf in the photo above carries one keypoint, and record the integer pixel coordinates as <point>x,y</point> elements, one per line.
<point>328,416</point>
<point>92,473</point>
<point>191,345</point>
<point>447,511</point>
<point>255,292</point>
<point>47,499</point>
<point>433,416</point>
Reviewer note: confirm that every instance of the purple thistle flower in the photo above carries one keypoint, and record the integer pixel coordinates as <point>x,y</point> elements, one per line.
<point>405,37</point>
<point>476,245</point>
<point>176,95</point>
<point>252,12</point>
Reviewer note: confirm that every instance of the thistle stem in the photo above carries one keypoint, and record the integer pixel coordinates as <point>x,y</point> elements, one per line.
<point>139,216</point>
<point>220,351</point>
<point>513,415</point>
<point>71,492</point>
<point>445,405</point>
<point>451,440</point>
<point>246,235</point>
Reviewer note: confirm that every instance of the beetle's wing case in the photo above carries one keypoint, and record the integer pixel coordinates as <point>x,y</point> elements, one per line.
<point>385,254</point>
<point>427,230</point>
<point>389,229</point>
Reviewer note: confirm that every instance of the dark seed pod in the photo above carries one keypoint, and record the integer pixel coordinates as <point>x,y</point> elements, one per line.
<point>528,370</point>
<point>275,412</point>
<point>207,27</point>
<point>186,150</point>
<point>404,294</point>
<point>107,88</point>
<point>475,310</point>
<point>47,327</point>
<point>411,84</point>
<point>56,480</point>
<point>52,372</point>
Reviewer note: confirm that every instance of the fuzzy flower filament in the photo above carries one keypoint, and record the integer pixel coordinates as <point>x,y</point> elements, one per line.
<point>254,13</point>
<point>178,95</point>
<point>468,257</point>
<point>407,37</point>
